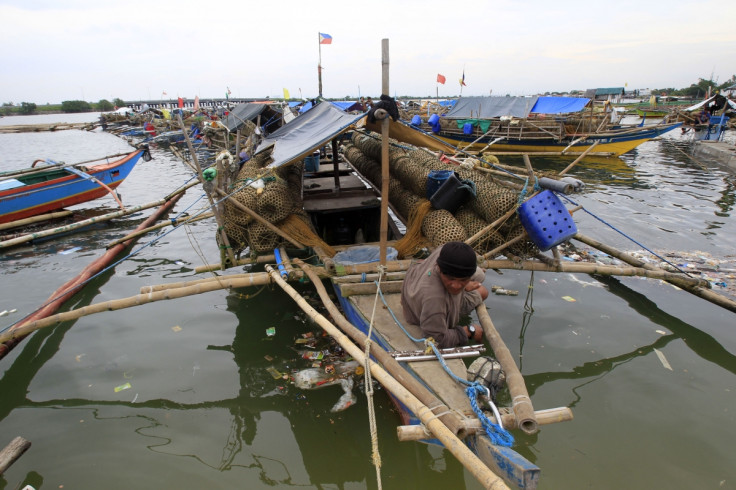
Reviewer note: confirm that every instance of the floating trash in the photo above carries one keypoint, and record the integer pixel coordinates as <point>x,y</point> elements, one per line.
<point>122,387</point>
<point>70,250</point>
<point>569,299</point>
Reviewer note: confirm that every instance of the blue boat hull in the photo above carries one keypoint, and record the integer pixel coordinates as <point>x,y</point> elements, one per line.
<point>63,189</point>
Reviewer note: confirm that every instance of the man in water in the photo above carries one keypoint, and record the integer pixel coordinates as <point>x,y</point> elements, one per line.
<point>438,290</point>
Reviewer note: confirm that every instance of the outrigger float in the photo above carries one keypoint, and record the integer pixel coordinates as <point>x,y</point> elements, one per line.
<point>378,193</point>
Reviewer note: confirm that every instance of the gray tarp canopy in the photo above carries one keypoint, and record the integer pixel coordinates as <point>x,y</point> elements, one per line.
<point>490,107</point>
<point>701,104</point>
<point>306,133</point>
<point>247,112</point>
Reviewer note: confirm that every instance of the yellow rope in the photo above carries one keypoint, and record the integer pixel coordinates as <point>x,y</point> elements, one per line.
<point>300,231</point>
<point>413,239</point>
<point>369,386</point>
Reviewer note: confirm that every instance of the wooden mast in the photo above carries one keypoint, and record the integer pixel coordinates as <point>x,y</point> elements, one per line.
<point>384,155</point>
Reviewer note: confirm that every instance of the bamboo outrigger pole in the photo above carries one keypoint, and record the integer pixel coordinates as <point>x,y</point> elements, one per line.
<point>98,219</point>
<point>521,404</point>
<point>14,335</point>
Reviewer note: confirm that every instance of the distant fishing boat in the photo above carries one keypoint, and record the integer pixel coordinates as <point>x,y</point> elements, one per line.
<point>536,125</point>
<point>652,112</point>
<point>37,190</point>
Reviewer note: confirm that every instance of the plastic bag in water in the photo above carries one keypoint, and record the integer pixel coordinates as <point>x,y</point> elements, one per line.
<point>348,399</point>
<point>363,255</point>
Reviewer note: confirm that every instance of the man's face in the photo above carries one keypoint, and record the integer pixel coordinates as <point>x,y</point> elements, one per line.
<point>454,285</point>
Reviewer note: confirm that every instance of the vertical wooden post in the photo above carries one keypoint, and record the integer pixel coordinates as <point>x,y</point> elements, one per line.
<point>237,143</point>
<point>384,155</point>
<point>335,165</point>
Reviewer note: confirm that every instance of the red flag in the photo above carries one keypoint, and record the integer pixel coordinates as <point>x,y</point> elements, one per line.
<point>441,79</point>
<point>325,38</point>
<point>181,102</point>
<point>462,80</point>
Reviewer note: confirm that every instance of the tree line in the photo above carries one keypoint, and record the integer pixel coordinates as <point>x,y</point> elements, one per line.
<point>68,106</point>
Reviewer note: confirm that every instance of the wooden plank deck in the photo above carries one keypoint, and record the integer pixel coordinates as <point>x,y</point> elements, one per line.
<point>431,372</point>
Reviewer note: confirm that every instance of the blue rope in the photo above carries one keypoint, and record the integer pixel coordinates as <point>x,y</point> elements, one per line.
<point>625,235</point>
<point>497,434</point>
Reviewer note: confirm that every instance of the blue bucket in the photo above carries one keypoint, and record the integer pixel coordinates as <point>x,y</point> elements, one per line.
<point>311,164</point>
<point>416,120</point>
<point>468,128</point>
<point>453,193</point>
<point>433,119</point>
<point>435,179</point>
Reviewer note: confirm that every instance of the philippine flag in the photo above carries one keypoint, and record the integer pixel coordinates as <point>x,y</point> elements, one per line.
<point>325,38</point>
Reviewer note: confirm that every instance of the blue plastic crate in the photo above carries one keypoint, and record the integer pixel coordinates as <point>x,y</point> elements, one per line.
<point>546,219</point>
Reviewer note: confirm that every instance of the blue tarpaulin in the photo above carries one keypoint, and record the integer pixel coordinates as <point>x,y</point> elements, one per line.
<point>348,105</point>
<point>521,107</point>
<point>559,105</point>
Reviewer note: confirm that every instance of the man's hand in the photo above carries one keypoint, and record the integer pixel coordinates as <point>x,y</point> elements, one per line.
<point>472,286</point>
<point>477,336</point>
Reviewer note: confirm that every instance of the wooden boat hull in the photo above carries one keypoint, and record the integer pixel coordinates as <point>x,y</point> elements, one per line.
<point>503,461</point>
<point>608,144</point>
<point>63,189</point>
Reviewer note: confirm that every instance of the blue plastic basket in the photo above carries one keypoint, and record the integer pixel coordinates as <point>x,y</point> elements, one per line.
<point>547,221</point>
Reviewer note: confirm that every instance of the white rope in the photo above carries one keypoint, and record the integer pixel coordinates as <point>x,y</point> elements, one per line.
<point>376,455</point>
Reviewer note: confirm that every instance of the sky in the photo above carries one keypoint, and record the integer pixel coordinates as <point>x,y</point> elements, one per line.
<point>57,50</point>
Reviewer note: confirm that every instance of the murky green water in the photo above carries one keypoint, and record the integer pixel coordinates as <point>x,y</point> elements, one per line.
<point>126,399</point>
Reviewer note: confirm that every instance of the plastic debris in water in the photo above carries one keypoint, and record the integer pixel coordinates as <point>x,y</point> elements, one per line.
<point>275,374</point>
<point>348,399</point>
<point>271,331</point>
<point>176,328</point>
<point>663,359</point>
<point>569,298</point>
<point>71,250</point>
<point>122,387</point>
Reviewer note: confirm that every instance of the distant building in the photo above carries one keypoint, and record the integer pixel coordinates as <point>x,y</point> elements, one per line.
<point>613,94</point>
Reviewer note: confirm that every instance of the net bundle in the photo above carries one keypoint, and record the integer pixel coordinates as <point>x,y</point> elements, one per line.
<point>275,196</point>
<point>409,169</point>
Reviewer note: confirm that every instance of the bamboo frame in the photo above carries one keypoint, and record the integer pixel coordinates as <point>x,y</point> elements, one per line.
<point>451,442</point>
